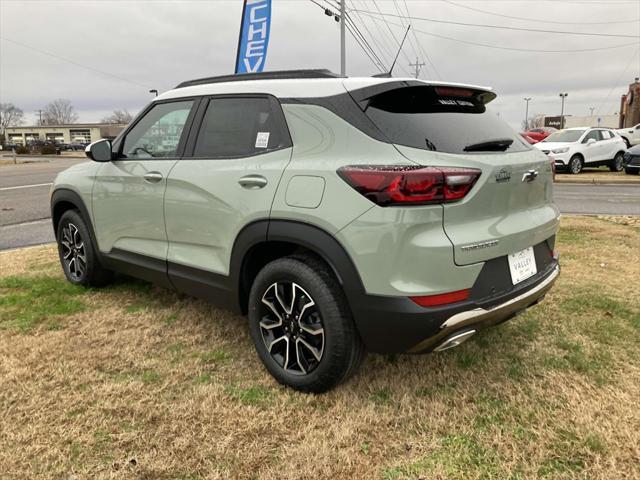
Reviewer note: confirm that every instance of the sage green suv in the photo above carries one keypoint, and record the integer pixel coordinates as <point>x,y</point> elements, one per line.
<point>341,215</point>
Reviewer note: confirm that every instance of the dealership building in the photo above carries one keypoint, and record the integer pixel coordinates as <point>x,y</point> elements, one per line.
<point>72,133</point>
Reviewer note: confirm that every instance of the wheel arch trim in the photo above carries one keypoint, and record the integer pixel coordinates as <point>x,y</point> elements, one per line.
<point>66,195</point>
<point>308,236</point>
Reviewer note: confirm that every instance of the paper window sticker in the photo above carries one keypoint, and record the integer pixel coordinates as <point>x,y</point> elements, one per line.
<point>262,140</point>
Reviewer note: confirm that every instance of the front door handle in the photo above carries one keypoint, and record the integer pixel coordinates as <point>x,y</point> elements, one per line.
<point>152,177</point>
<point>253,182</point>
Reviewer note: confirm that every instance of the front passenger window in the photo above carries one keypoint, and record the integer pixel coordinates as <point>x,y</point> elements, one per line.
<point>592,134</point>
<point>158,133</point>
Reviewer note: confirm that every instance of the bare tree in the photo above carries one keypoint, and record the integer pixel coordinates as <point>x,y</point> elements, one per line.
<point>10,116</point>
<point>59,112</point>
<point>122,117</point>
<point>536,121</point>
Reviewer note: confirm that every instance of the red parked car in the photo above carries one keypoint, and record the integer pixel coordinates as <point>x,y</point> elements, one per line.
<point>529,139</point>
<point>539,134</point>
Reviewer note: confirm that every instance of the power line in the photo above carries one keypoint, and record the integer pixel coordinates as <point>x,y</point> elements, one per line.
<point>364,40</point>
<point>373,37</point>
<point>366,48</point>
<point>617,82</point>
<point>424,52</point>
<point>535,19</point>
<point>514,49</point>
<point>53,55</point>
<point>393,35</point>
<point>503,27</point>
<point>382,36</point>
<point>411,44</point>
<point>531,50</point>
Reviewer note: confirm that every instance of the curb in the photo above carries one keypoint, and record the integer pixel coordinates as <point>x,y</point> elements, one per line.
<point>608,182</point>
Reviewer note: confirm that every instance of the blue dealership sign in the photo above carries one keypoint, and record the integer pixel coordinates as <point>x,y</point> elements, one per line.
<point>254,36</point>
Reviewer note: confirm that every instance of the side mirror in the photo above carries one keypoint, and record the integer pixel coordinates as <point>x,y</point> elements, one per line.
<point>590,141</point>
<point>99,151</point>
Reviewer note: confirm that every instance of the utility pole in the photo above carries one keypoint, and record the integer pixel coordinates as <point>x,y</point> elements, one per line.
<point>39,112</point>
<point>417,65</point>
<point>592,109</point>
<point>526,113</point>
<point>562,96</point>
<point>343,59</point>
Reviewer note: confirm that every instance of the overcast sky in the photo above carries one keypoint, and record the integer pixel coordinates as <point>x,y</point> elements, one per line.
<point>107,54</point>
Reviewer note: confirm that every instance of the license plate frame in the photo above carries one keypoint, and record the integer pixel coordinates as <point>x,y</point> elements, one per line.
<point>522,265</point>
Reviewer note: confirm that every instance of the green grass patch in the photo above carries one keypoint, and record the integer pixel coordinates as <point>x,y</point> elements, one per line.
<point>25,302</point>
<point>255,395</point>
<point>217,356</point>
<point>382,397</point>
<point>460,455</point>
<point>202,378</point>
<point>572,236</point>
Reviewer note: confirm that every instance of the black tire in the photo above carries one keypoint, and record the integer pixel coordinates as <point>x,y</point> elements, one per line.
<point>575,164</point>
<point>77,253</point>
<point>308,286</point>
<point>616,163</point>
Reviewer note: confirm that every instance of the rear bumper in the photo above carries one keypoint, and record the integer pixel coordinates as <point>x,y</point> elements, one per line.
<point>481,317</point>
<point>395,324</point>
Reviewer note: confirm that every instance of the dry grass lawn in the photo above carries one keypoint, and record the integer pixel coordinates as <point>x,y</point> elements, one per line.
<point>136,382</point>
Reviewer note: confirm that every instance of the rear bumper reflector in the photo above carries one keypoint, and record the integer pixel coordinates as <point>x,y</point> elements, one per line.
<point>441,298</point>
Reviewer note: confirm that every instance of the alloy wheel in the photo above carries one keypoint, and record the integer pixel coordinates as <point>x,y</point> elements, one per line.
<point>73,251</point>
<point>292,328</point>
<point>575,165</point>
<point>617,163</point>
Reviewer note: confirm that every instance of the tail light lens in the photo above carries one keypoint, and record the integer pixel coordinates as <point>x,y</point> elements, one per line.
<point>409,185</point>
<point>441,298</point>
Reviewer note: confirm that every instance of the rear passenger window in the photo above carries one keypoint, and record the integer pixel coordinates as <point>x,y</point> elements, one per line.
<point>240,127</point>
<point>606,134</point>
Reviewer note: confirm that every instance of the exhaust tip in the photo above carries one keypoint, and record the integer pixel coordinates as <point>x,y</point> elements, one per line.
<point>455,340</point>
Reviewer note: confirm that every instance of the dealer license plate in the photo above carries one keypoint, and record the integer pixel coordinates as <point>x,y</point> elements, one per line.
<point>522,265</point>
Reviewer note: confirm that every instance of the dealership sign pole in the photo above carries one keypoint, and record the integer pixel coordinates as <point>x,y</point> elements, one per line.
<point>254,36</point>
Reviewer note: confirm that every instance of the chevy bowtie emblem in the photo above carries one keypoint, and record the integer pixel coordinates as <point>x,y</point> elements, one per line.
<point>529,176</point>
<point>503,176</point>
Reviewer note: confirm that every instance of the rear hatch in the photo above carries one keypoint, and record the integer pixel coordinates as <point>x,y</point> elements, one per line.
<point>510,207</point>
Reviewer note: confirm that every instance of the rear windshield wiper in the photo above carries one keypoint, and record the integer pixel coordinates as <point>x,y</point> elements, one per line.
<point>499,145</point>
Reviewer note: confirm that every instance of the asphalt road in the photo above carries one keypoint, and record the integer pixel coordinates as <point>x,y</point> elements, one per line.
<point>24,200</point>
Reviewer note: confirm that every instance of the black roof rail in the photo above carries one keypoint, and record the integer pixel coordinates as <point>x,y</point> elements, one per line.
<point>275,75</point>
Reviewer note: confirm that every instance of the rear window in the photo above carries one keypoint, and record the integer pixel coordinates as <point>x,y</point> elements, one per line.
<point>442,119</point>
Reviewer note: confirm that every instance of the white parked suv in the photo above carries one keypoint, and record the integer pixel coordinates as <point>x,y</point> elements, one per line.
<point>575,148</point>
<point>631,135</point>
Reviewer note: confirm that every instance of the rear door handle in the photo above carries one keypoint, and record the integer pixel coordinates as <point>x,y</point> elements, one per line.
<point>253,182</point>
<point>152,177</point>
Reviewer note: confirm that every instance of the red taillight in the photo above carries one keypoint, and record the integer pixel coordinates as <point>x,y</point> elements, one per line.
<point>441,298</point>
<point>414,185</point>
<point>454,92</point>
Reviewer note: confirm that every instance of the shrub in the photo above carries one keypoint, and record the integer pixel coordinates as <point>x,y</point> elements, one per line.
<point>21,149</point>
<point>48,150</point>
